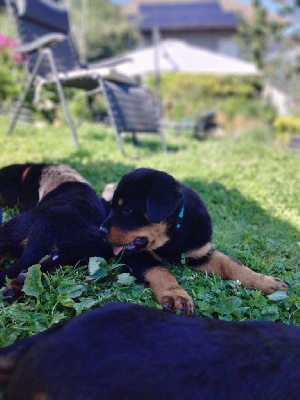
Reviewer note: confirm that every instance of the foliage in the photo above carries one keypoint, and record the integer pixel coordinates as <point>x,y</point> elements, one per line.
<point>283,66</point>
<point>55,298</point>
<point>272,43</point>
<point>188,95</point>
<point>287,124</point>
<point>212,85</point>
<point>11,72</point>
<point>254,37</point>
<point>250,192</point>
<point>100,29</point>
<point>291,9</point>
<point>253,108</point>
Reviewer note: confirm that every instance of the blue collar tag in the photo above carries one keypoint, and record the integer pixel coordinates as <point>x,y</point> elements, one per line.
<point>180,215</point>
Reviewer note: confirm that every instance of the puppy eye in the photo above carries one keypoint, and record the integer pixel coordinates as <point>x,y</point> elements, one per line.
<point>126,210</point>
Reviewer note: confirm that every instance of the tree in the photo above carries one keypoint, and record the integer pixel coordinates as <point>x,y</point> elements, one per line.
<point>283,67</point>
<point>254,37</point>
<point>291,9</point>
<point>100,28</point>
<point>273,43</point>
<point>288,6</point>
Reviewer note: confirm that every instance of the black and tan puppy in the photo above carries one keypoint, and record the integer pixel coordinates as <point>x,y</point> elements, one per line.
<point>157,219</point>
<point>130,352</point>
<point>24,185</point>
<point>61,226</point>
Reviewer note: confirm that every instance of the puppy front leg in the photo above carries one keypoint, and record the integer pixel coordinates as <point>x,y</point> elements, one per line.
<point>109,191</point>
<point>169,294</point>
<point>230,268</point>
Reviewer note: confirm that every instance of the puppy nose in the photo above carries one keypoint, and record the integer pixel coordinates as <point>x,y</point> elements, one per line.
<point>103,231</point>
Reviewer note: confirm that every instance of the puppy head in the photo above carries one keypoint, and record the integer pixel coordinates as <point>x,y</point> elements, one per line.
<point>143,204</point>
<point>10,181</point>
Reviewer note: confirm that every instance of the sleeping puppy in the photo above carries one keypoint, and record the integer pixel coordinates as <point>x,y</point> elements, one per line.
<point>156,219</point>
<point>126,351</point>
<point>61,226</point>
<point>24,185</point>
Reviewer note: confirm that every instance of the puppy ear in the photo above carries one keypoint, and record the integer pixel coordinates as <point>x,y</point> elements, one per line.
<point>163,194</point>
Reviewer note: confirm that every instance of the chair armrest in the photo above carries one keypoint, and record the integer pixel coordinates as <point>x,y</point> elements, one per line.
<point>44,41</point>
<point>113,62</point>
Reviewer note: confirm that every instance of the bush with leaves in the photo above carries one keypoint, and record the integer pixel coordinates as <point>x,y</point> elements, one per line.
<point>288,124</point>
<point>187,95</point>
<point>11,72</point>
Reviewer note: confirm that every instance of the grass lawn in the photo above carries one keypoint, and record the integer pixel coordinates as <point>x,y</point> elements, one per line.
<point>251,189</point>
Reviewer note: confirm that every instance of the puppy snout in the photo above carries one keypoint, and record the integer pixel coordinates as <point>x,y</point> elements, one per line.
<point>103,231</point>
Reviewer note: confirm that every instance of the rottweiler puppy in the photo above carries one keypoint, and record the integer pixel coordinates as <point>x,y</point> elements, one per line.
<point>24,185</point>
<point>60,226</point>
<point>130,352</point>
<point>155,219</point>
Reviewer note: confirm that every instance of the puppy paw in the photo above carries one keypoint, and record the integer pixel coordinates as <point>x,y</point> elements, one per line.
<point>109,191</point>
<point>269,284</point>
<point>15,288</point>
<point>177,299</point>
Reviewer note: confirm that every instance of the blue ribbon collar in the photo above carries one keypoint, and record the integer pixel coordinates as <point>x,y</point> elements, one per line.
<point>180,215</point>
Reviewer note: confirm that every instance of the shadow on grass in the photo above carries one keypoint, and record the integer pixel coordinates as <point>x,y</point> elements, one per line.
<point>147,144</point>
<point>244,230</point>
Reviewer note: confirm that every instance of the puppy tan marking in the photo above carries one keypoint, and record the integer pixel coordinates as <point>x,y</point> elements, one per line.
<point>229,268</point>
<point>24,243</point>
<point>7,366</point>
<point>155,233</point>
<point>41,396</point>
<point>169,294</point>
<point>201,252</point>
<point>54,175</point>
<point>9,360</point>
<point>108,192</point>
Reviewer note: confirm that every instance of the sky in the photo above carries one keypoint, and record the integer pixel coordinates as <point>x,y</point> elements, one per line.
<point>268,3</point>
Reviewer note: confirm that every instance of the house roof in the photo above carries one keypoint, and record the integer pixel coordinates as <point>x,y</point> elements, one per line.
<point>185,15</point>
<point>132,7</point>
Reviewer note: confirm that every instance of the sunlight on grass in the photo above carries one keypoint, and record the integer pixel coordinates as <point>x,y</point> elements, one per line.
<point>251,189</point>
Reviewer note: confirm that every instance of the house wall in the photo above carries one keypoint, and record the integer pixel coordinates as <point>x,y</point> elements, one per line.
<point>221,42</point>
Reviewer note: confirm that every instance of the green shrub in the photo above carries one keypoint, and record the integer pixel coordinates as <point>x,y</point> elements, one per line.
<point>213,86</point>
<point>188,95</point>
<point>288,124</point>
<point>11,72</point>
<point>252,108</point>
<point>12,80</point>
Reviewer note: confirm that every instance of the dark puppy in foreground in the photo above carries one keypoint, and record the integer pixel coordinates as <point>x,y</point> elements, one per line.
<point>130,352</point>
<point>60,225</point>
<point>157,219</point>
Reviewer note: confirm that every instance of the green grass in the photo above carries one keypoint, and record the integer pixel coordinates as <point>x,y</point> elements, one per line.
<point>251,189</point>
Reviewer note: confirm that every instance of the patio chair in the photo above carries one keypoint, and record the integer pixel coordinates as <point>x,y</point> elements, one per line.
<point>131,109</point>
<point>43,29</point>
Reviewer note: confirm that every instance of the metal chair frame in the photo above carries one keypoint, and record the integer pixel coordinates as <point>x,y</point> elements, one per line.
<point>43,47</point>
<point>115,117</point>
<point>45,53</point>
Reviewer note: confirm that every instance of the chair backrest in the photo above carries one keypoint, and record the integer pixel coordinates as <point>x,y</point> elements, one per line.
<point>35,18</point>
<point>130,107</point>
